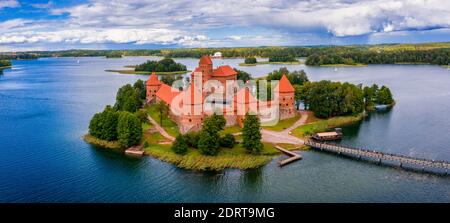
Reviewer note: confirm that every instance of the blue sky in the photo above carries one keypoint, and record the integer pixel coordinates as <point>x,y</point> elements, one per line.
<point>139,24</point>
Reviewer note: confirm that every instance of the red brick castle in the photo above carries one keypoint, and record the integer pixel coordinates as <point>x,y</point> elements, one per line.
<point>217,90</point>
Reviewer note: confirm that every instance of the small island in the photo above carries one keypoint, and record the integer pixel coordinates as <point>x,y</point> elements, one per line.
<point>142,121</point>
<point>5,64</point>
<point>165,66</point>
<point>114,54</point>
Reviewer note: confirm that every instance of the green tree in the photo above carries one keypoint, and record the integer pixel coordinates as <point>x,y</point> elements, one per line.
<point>250,60</point>
<point>298,95</point>
<point>164,65</point>
<point>298,77</point>
<point>142,115</point>
<point>180,146</point>
<point>103,125</point>
<point>228,141</point>
<point>127,99</point>
<point>385,96</point>
<point>327,99</point>
<point>209,141</point>
<point>169,79</point>
<point>140,87</point>
<point>192,139</point>
<point>163,109</point>
<point>242,75</point>
<point>129,129</point>
<point>251,134</point>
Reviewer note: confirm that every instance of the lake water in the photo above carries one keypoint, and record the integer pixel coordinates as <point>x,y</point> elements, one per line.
<point>46,105</point>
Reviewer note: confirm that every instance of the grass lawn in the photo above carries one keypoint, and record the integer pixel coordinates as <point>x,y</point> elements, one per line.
<point>115,145</point>
<point>231,130</point>
<point>283,124</point>
<point>321,125</point>
<point>237,157</point>
<point>167,123</point>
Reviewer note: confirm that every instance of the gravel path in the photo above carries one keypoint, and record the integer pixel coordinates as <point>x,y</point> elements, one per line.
<point>160,129</point>
<point>284,136</point>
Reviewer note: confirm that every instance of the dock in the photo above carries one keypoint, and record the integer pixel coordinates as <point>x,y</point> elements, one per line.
<point>135,151</point>
<point>293,156</point>
<point>382,157</point>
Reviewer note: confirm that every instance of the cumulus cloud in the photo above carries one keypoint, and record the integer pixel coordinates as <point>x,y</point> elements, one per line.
<point>9,4</point>
<point>189,23</point>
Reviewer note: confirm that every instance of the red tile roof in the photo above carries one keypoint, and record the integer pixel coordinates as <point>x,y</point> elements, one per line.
<point>284,85</point>
<point>224,71</point>
<point>205,59</point>
<point>153,80</point>
<point>167,93</point>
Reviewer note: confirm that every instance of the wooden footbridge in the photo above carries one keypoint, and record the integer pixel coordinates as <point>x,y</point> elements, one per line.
<point>382,157</point>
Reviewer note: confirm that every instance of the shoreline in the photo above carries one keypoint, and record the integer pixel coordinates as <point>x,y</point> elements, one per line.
<point>267,62</point>
<point>343,65</point>
<point>234,158</point>
<point>147,72</point>
<point>226,159</point>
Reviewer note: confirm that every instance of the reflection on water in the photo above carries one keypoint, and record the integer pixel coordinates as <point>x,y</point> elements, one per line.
<point>46,105</point>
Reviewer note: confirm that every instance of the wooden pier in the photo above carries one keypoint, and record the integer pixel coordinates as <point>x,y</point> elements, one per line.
<point>135,151</point>
<point>293,156</point>
<point>379,157</point>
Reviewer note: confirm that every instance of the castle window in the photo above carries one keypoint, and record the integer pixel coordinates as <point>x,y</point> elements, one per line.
<point>284,99</point>
<point>190,120</point>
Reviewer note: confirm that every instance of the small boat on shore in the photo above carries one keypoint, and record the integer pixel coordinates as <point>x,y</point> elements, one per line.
<point>328,136</point>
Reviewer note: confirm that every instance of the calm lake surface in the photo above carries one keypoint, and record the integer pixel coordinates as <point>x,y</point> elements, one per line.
<point>46,105</point>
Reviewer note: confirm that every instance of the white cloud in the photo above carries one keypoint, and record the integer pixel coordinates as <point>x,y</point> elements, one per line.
<point>190,23</point>
<point>43,5</point>
<point>9,4</point>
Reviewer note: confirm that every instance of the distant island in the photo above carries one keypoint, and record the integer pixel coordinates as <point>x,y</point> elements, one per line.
<point>5,64</point>
<point>252,61</point>
<point>114,55</point>
<point>162,67</point>
<point>437,53</point>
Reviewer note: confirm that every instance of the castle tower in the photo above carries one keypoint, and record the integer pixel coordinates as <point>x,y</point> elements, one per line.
<point>153,85</point>
<point>286,94</point>
<point>205,66</point>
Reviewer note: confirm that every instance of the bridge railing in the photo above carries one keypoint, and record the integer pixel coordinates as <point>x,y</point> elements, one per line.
<point>382,154</point>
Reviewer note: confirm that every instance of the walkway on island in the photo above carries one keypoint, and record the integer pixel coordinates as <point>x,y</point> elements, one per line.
<point>284,136</point>
<point>160,129</point>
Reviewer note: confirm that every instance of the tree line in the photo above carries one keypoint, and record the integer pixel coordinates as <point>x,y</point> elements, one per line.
<point>164,65</point>
<point>433,56</point>
<point>328,99</point>
<point>209,142</point>
<point>123,121</point>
